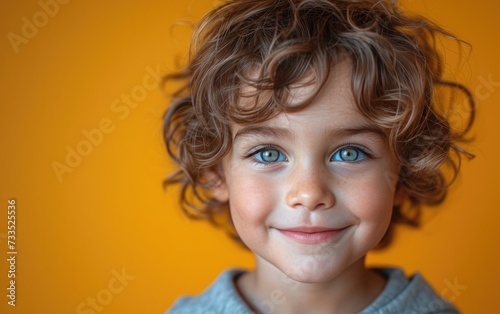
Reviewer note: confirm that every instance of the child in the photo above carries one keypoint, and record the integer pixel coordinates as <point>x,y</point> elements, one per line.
<point>318,124</point>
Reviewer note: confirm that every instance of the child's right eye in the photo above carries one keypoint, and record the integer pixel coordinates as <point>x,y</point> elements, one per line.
<point>268,155</point>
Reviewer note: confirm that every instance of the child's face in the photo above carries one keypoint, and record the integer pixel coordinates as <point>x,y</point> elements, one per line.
<point>309,192</point>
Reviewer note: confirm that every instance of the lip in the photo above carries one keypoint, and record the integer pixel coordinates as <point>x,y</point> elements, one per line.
<point>311,235</point>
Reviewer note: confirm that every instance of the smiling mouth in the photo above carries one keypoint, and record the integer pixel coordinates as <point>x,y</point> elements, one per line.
<point>308,235</point>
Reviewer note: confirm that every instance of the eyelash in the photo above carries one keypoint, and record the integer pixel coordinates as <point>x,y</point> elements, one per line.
<point>359,149</point>
<point>261,149</point>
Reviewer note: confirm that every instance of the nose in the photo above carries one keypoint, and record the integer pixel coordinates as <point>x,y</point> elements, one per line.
<point>309,188</point>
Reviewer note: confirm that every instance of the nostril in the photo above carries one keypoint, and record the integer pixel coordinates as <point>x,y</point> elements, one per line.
<point>310,199</point>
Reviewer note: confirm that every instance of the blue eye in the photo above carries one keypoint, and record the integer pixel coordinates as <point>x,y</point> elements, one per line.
<point>269,155</point>
<point>349,154</point>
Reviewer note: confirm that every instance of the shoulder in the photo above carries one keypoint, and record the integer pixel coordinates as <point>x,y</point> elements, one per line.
<point>220,297</point>
<point>408,295</point>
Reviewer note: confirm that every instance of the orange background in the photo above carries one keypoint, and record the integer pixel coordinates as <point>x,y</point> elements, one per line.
<point>107,213</point>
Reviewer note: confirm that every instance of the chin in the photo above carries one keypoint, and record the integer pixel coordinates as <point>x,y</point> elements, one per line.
<point>312,272</point>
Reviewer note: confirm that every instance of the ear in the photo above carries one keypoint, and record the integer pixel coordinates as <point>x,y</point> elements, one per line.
<point>400,195</point>
<point>216,184</point>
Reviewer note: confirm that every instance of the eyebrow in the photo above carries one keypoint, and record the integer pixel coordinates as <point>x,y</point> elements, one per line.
<point>256,130</point>
<point>283,133</point>
<point>362,129</point>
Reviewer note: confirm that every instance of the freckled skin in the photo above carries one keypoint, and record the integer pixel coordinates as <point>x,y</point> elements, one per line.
<point>310,186</point>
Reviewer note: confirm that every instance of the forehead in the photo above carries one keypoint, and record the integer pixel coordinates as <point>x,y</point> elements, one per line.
<point>333,101</point>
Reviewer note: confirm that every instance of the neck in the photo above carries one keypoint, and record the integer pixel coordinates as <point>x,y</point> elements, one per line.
<point>268,290</point>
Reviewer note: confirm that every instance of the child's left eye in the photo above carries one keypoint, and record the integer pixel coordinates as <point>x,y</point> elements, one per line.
<point>349,154</point>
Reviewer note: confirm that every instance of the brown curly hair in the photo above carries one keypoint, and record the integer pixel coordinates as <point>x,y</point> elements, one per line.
<point>397,82</point>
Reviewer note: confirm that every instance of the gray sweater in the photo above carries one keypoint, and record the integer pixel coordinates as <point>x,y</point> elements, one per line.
<point>401,295</point>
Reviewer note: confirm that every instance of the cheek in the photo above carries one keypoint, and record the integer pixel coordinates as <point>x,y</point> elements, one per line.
<point>251,200</point>
<point>373,202</point>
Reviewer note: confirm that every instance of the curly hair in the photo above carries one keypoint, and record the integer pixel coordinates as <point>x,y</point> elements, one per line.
<point>397,82</point>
